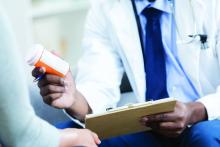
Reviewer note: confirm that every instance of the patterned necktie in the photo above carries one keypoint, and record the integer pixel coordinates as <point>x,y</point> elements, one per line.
<point>154,57</point>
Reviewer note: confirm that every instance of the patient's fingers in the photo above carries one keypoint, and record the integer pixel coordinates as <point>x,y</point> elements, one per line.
<point>96,138</point>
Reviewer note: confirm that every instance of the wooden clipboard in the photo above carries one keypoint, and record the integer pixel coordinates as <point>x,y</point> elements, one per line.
<point>125,120</point>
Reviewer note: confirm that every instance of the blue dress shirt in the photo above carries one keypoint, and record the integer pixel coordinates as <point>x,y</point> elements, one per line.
<point>179,85</point>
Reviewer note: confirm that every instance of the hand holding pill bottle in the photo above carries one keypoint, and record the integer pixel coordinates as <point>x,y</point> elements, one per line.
<point>52,64</point>
<point>57,86</point>
<point>56,83</point>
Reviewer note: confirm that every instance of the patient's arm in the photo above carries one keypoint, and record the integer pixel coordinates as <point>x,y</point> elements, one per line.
<point>19,125</point>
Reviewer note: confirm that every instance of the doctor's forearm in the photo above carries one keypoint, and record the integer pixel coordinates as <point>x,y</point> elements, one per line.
<point>80,107</point>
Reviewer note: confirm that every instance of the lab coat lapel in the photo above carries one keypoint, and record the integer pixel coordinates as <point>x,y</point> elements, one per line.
<point>124,22</point>
<point>188,53</point>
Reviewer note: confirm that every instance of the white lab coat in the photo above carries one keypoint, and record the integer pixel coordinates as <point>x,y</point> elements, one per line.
<point>112,46</point>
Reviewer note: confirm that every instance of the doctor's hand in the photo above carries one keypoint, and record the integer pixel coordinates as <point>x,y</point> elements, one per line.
<point>61,93</point>
<point>56,91</point>
<point>78,137</point>
<point>172,124</point>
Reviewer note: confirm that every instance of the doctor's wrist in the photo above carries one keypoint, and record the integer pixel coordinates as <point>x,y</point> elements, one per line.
<point>80,107</point>
<point>198,112</point>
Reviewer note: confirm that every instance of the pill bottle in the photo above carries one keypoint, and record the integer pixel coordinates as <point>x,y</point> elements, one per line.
<point>52,64</point>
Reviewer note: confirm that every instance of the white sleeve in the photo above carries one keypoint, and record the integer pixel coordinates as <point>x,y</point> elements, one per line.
<point>19,125</point>
<point>100,69</point>
<point>212,101</point>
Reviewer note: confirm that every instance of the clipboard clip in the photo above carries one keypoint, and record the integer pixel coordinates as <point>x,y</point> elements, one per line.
<point>108,109</point>
<point>129,106</point>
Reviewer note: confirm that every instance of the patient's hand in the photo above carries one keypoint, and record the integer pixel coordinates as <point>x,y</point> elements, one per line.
<point>172,124</point>
<point>78,137</point>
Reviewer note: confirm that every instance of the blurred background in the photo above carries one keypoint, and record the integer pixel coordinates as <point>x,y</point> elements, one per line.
<point>56,24</point>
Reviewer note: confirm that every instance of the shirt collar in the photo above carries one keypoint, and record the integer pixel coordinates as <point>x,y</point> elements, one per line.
<point>163,5</point>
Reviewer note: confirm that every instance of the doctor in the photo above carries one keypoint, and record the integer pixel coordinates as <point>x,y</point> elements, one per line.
<point>168,49</point>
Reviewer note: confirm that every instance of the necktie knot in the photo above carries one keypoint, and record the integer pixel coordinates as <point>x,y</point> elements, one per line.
<point>152,13</point>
